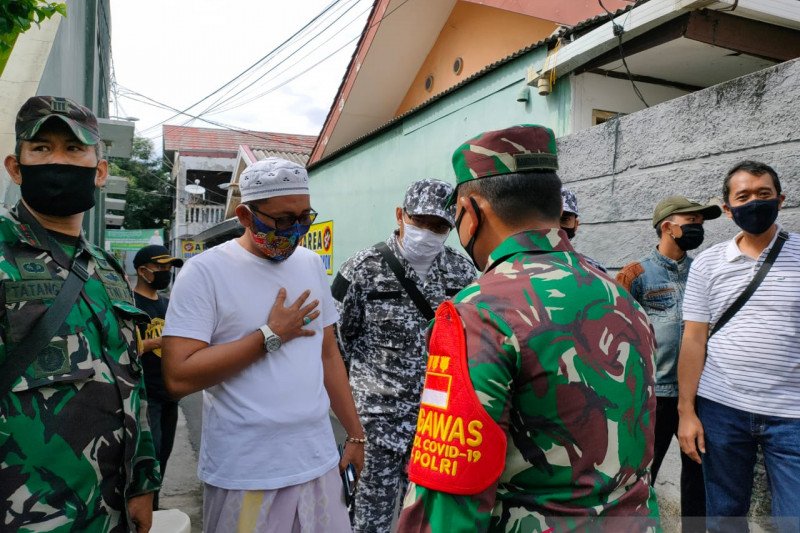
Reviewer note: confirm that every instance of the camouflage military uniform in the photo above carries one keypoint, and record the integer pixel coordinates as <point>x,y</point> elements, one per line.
<point>383,342</point>
<point>562,359</point>
<point>74,440</point>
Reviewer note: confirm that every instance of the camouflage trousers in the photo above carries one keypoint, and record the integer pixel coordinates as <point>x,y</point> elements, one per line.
<point>382,481</point>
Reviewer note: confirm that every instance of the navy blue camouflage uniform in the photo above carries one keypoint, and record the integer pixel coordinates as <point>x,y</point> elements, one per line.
<point>382,336</point>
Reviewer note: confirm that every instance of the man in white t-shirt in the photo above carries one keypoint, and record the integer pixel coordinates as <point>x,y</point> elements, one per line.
<point>251,323</point>
<point>739,387</point>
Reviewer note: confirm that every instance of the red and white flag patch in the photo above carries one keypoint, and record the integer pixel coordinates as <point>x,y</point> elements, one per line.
<point>437,390</point>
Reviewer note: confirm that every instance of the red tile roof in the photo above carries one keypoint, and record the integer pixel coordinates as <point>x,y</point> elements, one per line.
<point>188,139</point>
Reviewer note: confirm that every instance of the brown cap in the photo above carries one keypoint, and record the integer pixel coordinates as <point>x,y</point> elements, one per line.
<point>673,205</point>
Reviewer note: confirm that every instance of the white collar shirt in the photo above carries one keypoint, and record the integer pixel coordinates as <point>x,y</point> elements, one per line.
<point>753,362</point>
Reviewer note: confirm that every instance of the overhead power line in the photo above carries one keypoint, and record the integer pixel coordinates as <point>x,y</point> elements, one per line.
<point>131,94</point>
<point>618,31</point>
<point>226,98</point>
<point>248,69</point>
<point>155,103</point>
<point>236,105</point>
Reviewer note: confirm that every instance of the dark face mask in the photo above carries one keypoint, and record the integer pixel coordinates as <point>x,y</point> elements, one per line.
<point>161,279</point>
<point>470,246</point>
<point>58,190</point>
<point>757,216</point>
<point>692,237</point>
<point>570,232</point>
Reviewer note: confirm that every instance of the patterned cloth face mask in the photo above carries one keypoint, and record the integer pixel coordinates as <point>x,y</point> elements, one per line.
<point>276,245</point>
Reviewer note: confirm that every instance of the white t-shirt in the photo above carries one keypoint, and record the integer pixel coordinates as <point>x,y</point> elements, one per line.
<point>267,427</point>
<point>753,362</point>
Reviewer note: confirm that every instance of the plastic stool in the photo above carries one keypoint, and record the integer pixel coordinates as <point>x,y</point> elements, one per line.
<point>171,521</point>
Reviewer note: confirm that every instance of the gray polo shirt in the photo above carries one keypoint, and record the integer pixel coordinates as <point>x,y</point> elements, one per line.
<point>753,362</point>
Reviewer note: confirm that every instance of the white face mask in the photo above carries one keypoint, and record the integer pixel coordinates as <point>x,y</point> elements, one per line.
<point>421,244</point>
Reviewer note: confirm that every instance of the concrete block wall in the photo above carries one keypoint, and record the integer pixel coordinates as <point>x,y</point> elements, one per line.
<point>621,169</point>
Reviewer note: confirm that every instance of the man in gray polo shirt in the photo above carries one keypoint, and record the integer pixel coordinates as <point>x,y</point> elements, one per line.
<point>740,388</point>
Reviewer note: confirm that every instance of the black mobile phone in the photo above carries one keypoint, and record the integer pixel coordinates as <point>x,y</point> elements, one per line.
<point>348,481</point>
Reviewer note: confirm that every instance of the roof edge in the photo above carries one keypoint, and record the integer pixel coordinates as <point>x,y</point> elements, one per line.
<point>564,32</point>
<point>349,73</point>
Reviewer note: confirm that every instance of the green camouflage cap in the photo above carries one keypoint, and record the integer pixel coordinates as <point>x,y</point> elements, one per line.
<point>39,109</point>
<point>673,205</point>
<point>522,148</point>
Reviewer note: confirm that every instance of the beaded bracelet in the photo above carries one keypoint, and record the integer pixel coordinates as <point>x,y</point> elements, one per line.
<point>354,440</point>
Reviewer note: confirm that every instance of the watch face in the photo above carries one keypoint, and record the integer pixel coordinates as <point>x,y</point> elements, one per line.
<point>273,343</point>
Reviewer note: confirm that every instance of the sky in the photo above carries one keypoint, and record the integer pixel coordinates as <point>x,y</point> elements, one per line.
<point>175,52</point>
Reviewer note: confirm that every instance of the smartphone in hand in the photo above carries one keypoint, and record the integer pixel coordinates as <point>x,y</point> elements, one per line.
<point>348,481</point>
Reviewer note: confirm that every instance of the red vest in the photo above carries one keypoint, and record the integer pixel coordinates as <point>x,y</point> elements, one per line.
<point>458,448</point>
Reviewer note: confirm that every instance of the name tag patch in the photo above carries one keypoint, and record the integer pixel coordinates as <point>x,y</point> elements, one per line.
<point>22,291</point>
<point>116,286</point>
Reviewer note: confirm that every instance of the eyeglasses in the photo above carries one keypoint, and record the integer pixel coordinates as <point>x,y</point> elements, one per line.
<point>281,223</point>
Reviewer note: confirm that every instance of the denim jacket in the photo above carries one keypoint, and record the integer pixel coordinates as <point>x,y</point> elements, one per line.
<point>658,284</point>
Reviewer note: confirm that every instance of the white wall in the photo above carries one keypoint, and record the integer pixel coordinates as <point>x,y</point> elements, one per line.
<point>593,91</point>
<point>19,82</point>
<point>182,165</point>
<point>621,169</point>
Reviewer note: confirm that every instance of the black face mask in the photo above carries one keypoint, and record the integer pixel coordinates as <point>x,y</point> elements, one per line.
<point>161,279</point>
<point>692,237</point>
<point>58,190</point>
<point>757,216</point>
<point>570,232</point>
<point>470,246</point>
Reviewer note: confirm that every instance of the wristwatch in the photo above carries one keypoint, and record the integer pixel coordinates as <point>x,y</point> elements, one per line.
<point>271,341</point>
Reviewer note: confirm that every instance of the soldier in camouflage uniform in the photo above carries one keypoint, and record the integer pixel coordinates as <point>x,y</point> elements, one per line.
<point>76,453</point>
<point>382,335</point>
<point>552,429</point>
